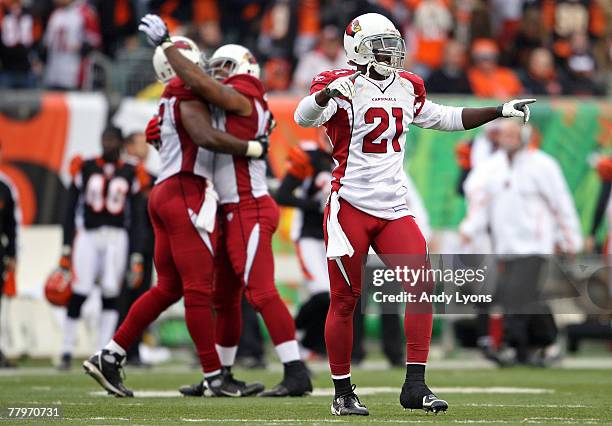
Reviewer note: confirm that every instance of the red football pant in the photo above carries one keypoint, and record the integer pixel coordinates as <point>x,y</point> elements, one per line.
<point>184,265</point>
<point>400,236</point>
<point>244,263</point>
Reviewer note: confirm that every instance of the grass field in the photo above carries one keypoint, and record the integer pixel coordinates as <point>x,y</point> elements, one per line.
<point>511,396</point>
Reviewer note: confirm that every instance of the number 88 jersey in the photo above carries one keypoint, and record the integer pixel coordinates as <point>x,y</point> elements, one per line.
<point>368,134</point>
<point>105,190</point>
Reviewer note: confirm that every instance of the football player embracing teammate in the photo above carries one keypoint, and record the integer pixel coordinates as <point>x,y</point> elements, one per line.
<point>366,113</point>
<point>248,215</point>
<point>103,198</point>
<point>182,207</point>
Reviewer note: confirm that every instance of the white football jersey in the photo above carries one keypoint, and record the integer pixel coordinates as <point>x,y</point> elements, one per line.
<point>369,132</point>
<point>238,178</point>
<point>178,153</point>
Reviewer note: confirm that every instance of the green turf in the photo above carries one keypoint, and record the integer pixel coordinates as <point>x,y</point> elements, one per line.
<point>579,396</point>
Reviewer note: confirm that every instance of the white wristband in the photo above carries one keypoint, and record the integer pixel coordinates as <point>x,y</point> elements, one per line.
<point>166,44</point>
<point>254,149</point>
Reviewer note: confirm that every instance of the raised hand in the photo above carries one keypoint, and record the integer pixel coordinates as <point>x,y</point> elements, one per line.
<point>343,86</point>
<point>155,29</point>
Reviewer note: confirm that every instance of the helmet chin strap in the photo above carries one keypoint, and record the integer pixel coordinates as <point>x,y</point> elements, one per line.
<point>384,70</point>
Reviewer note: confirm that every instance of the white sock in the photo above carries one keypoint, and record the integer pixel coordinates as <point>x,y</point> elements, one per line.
<point>212,374</point>
<point>114,347</point>
<point>227,354</point>
<point>70,332</point>
<point>288,351</point>
<point>107,326</point>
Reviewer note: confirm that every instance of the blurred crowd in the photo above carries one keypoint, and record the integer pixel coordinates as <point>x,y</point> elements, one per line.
<point>489,48</point>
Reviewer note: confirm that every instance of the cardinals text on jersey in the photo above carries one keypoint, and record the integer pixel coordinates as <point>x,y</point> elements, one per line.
<point>369,133</point>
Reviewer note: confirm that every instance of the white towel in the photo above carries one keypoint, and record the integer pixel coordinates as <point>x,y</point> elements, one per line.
<point>338,244</point>
<point>208,210</point>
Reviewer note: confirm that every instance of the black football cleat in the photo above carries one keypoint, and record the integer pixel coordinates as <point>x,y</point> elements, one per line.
<point>348,405</point>
<point>226,385</point>
<point>296,382</point>
<point>106,368</point>
<point>419,396</point>
<point>197,389</point>
<point>65,363</point>
<point>229,387</point>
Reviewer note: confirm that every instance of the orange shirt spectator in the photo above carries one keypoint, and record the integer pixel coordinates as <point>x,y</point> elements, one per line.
<point>433,23</point>
<point>486,77</point>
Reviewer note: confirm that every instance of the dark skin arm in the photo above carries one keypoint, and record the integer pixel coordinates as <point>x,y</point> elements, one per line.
<point>218,94</point>
<point>476,117</point>
<point>196,119</point>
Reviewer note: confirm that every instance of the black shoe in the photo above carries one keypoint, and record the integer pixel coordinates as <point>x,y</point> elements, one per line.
<point>65,362</point>
<point>5,363</point>
<point>248,389</point>
<point>225,385</point>
<point>231,385</point>
<point>296,382</point>
<point>348,405</point>
<point>197,389</point>
<point>418,396</point>
<point>106,368</point>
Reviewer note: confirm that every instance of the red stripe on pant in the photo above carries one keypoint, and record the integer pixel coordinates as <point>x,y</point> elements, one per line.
<point>240,248</point>
<point>184,266</point>
<point>399,237</point>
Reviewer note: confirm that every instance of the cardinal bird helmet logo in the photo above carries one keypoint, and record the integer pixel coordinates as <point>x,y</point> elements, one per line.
<point>353,28</point>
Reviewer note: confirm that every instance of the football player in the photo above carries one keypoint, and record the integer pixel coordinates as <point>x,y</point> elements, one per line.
<point>182,207</point>
<point>102,197</point>
<point>306,187</point>
<point>366,112</point>
<point>249,216</point>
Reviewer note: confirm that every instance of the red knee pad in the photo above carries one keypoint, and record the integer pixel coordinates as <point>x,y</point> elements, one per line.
<point>162,292</point>
<point>198,295</point>
<point>259,299</point>
<point>342,304</point>
<point>226,301</point>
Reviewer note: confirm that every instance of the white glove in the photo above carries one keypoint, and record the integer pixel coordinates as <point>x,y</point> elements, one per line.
<point>517,108</point>
<point>155,29</point>
<point>343,86</point>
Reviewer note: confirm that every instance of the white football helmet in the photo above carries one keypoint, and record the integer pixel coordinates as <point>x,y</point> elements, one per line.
<point>372,39</point>
<point>232,59</point>
<point>186,46</point>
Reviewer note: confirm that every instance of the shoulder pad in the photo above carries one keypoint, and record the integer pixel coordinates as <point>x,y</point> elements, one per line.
<point>417,81</point>
<point>247,85</point>
<point>177,89</point>
<point>323,79</point>
<point>419,89</point>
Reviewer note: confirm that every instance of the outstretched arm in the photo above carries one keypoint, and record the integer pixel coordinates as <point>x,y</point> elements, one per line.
<point>196,119</point>
<point>476,117</point>
<point>441,117</point>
